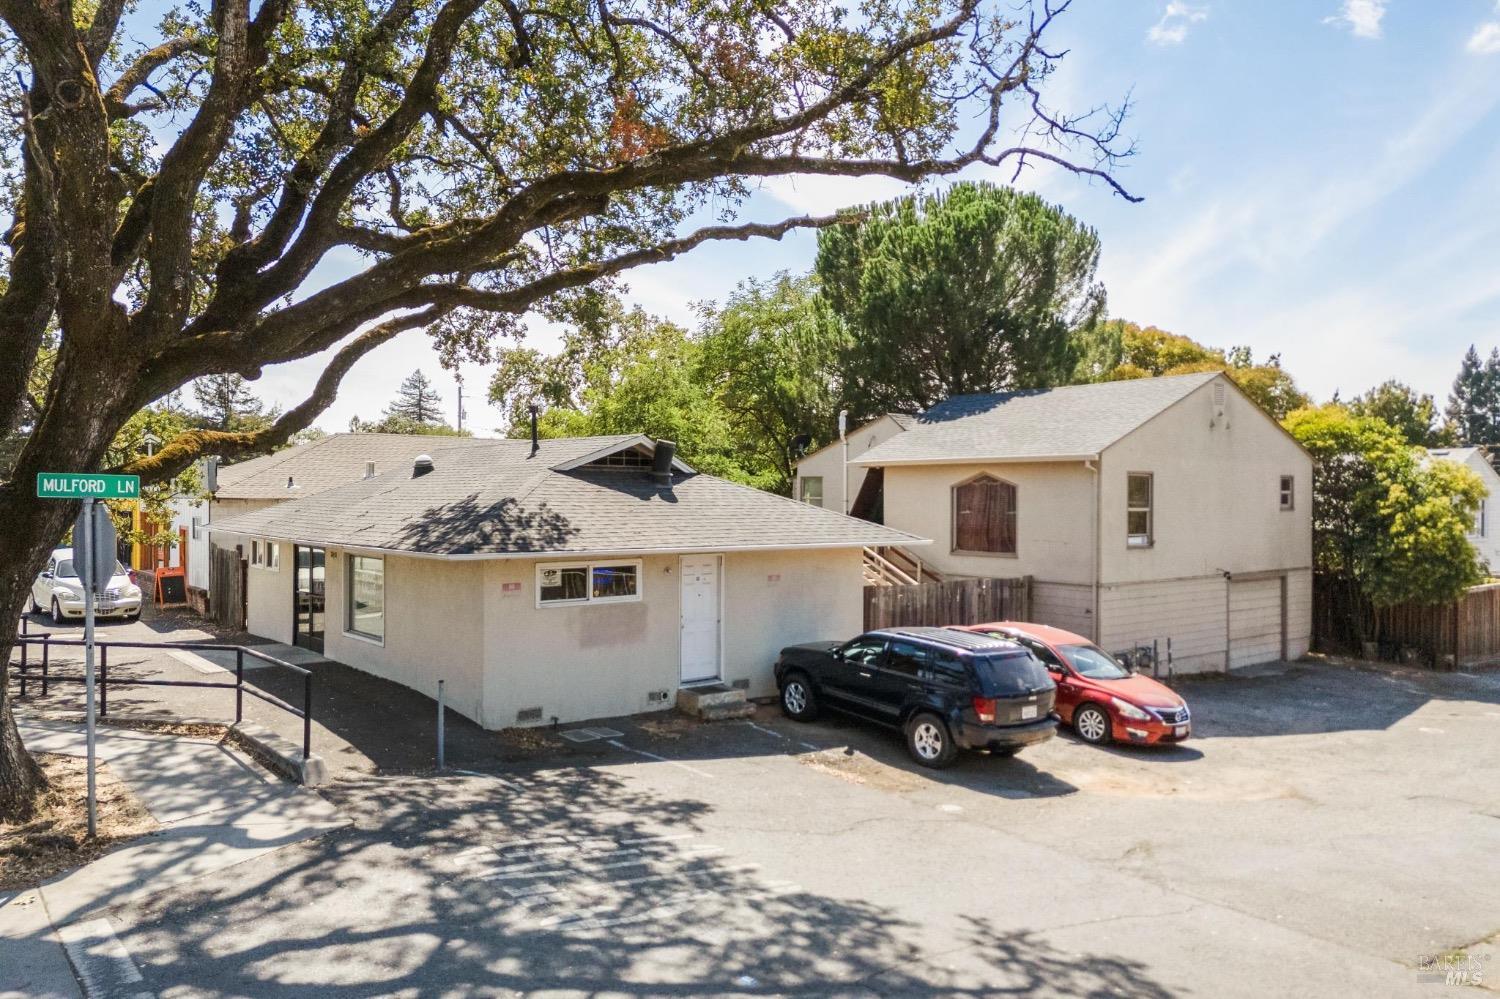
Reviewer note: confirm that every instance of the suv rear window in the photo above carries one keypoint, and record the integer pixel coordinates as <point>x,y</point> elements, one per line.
<point>1011,673</point>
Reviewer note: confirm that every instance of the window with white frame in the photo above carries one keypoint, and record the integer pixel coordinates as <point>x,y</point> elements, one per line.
<point>603,582</point>
<point>812,490</point>
<point>1139,497</point>
<point>1288,492</point>
<point>1479,519</point>
<point>365,607</point>
<point>272,555</point>
<point>265,554</point>
<point>197,527</point>
<point>257,553</point>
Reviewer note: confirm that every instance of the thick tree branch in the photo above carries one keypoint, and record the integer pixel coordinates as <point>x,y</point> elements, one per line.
<point>148,62</point>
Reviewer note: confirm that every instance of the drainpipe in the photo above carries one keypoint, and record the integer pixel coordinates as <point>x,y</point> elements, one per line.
<point>844,479</point>
<point>1092,464</point>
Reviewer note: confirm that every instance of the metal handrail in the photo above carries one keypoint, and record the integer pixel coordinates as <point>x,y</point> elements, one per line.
<point>47,641</point>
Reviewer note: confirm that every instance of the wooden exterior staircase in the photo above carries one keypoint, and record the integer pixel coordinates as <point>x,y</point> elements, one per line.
<point>892,565</point>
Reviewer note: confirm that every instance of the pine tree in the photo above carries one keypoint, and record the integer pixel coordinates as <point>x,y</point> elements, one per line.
<point>1471,401</point>
<point>416,401</point>
<point>226,402</point>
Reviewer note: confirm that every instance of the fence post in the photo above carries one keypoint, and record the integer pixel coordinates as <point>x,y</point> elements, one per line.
<point>239,684</point>
<point>103,679</point>
<point>306,715</point>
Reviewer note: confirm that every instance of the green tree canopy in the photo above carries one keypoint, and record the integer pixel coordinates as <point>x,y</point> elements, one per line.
<point>1413,414</point>
<point>1393,524</point>
<point>977,289</point>
<point>416,401</point>
<point>1473,409</point>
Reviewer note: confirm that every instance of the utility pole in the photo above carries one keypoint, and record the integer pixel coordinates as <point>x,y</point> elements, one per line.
<point>459,377</point>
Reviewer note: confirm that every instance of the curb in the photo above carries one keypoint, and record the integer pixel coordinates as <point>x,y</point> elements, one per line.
<point>281,754</point>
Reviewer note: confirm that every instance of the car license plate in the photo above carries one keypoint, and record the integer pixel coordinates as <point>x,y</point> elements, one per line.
<point>106,605</point>
<point>1180,731</point>
<point>1028,711</point>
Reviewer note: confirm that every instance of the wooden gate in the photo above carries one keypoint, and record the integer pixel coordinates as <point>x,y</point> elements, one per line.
<point>954,601</point>
<point>226,587</point>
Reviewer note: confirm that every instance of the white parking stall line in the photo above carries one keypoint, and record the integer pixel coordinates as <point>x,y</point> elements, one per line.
<point>761,728</point>
<point>661,759</point>
<point>509,785</point>
<point>102,963</point>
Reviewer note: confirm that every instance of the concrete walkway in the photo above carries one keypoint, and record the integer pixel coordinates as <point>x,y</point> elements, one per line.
<point>217,808</point>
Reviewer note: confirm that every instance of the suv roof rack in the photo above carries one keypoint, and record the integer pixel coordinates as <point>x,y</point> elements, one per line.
<point>967,641</point>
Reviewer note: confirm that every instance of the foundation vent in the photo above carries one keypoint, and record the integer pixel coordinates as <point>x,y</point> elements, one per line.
<point>529,715</point>
<point>657,696</point>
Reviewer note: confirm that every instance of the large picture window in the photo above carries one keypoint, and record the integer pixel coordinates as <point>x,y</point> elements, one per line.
<point>366,589</point>
<point>984,516</point>
<point>603,582</point>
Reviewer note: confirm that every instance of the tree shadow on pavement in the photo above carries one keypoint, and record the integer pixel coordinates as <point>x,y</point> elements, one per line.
<point>568,882</point>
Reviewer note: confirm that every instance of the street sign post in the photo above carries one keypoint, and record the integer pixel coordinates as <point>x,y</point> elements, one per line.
<point>94,558</point>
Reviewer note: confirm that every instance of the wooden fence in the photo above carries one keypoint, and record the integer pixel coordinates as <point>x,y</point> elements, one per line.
<point>1464,632</point>
<point>226,584</point>
<point>954,601</point>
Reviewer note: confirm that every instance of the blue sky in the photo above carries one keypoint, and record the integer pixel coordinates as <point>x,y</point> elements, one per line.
<point>1322,181</point>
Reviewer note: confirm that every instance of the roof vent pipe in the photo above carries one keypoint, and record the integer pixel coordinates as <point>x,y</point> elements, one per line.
<point>661,462</point>
<point>421,466</point>
<point>536,444</point>
<point>369,470</point>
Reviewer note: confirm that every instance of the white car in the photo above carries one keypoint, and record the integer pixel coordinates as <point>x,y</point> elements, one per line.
<point>59,591</point>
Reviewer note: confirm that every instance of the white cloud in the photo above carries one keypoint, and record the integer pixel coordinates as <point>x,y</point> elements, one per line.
<point>1174,23</point>
<point>1486,38</point>
<point>1362,16</point>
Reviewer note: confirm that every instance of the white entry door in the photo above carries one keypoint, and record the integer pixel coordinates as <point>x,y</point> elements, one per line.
<point>700,617</point>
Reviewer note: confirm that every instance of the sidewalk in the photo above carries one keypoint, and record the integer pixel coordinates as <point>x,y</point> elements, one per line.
<point>217,808</point>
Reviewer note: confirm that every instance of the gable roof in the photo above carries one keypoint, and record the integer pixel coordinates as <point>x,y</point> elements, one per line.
<point>1069,422</point>
<point>490,499</point>
<point>903,422</point>
<point>339,459</point>
<point>1463,456</point>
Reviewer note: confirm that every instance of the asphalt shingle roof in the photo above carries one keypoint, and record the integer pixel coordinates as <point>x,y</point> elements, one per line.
<point>339,459</point>
<point>1066,422</point>
<point>498,501</point>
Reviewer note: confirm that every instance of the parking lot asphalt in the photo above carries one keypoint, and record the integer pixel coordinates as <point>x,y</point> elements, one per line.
<point>1328,829</point>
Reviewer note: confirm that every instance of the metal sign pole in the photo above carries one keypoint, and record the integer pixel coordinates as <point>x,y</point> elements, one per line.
<point>88,541</point>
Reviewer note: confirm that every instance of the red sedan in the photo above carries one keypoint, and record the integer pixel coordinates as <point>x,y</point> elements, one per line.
<point>1102,700</point>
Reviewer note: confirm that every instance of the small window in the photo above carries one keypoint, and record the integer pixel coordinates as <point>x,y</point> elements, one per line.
<point>1138,501</point>
<point>864,651</point>
<point>1288,493</point>
<point>812,490</point>
<point>588,583</point>
<point>257,554</point>
<point>1479,520</point>
<point>366,596</point>
<point>908,659</point>
<point>984,516</point>
<point>197,527</point>
<point>273,555</point>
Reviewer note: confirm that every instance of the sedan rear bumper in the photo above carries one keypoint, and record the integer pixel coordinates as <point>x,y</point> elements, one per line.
<point>1006,736</point>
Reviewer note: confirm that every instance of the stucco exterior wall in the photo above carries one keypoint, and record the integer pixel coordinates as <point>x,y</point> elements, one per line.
<point>1486,541</point>
<point>779,598</point>
<point>434,627</point>
<point>1216,499</point>
<point>841,484</point>
<point>269,601</point>
<point>1054,507</point>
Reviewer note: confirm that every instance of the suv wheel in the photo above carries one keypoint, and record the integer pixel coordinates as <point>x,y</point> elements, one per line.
<point>928,741</point>
<point>798,702</point>
<point>1091,724</point>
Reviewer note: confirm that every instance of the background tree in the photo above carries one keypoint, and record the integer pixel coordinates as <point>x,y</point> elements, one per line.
<point>416,400</point>
<point>227,402</point>
<point>1385,522</point>
<point>1148,352</point>
<point>1473,409</point>
<point>977,289</point>
<point>173,189</point>
<point>1414,415</point>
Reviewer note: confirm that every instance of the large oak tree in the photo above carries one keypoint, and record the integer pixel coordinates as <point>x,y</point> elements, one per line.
<point>173,187</point>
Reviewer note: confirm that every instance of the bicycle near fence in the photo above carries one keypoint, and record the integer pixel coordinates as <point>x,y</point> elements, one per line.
<point>47,642</point>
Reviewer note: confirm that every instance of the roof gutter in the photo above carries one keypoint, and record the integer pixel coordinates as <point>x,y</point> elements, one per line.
<point>975,460</point>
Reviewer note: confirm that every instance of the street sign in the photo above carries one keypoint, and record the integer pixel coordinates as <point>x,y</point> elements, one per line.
<point>87,485</point>
<point>98,569</point>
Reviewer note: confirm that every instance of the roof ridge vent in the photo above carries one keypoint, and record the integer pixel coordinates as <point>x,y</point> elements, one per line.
<point>421,465</point>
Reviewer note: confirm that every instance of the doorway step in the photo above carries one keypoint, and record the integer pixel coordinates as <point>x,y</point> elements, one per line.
<point>714,702</point>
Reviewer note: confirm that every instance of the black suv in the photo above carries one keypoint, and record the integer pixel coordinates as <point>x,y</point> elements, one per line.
<point>945,689</point>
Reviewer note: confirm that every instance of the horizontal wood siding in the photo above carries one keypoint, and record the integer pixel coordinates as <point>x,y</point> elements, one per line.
<point>1299,613</point>
<point>955,601</point>
<point>1190,612</point>
<point>1069,606</point>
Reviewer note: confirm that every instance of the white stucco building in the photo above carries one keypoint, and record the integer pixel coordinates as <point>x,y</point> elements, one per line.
<point>829,477</point>
<point>1146,510</point>
<point>586,578</point>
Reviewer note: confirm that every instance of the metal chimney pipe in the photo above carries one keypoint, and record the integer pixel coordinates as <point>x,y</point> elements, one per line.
<point>661,462</point>
<point>536,443</point>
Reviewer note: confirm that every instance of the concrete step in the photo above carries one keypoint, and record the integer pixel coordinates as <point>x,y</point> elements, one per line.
<point>713,702</point>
